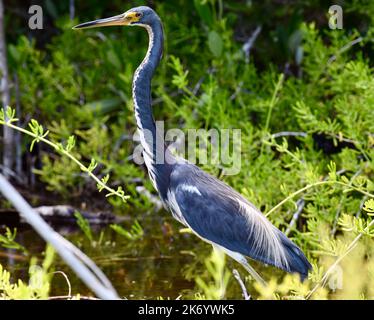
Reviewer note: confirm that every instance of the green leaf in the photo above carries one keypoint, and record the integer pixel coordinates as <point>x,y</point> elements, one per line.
<point>14,53</point>
<point>32,144</point>
<point>93,165</point>
<point>204,12</point>
<point>84,225</point>
<point>34,126</point>
<point>332,170</point>
<point>215,43</point>
<point>8,115</point>
<point>71,143</point>
<point>8,240</point>
<point>136,232</point>
<point>104,180</point>
<point>345,179</point>
<point>369,206</point>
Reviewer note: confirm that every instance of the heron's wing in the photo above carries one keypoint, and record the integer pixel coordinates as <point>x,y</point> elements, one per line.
<point>219,214</point>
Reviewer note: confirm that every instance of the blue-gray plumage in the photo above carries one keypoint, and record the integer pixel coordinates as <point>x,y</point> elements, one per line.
<point>211,209</point>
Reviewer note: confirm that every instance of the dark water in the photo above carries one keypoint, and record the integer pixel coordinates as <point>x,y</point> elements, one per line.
<point>163,263</point>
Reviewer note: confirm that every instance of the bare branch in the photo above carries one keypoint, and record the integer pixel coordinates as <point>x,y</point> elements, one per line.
<point>67,281</point>
<point>289,134</point>
<point>236,274</point>
<point>358,214</point>
<point>344,48</point>
<point>249,43</point>
<point>300,203</point>
<point>83,266</point>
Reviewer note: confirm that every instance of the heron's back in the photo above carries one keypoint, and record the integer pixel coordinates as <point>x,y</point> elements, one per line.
<point>220,215</point>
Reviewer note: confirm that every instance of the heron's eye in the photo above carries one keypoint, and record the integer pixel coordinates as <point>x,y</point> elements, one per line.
<point>138,15</point>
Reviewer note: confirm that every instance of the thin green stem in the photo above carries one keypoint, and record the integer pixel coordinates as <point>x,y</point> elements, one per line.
<point>69,155</point>
<point>273,101</point>
<point>351,246</point>
<point>292,155</point>
<point>309,186</point>
<point>220,9</point>
<point>191,94</point>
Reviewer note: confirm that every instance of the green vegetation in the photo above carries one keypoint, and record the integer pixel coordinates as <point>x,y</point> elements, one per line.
<point>215,265</point>
<point>38,286</point>
<point>7,240</point>
<point>136,232</point>
<point>7,118</point>
<point>303,101</point>
<point>84,225</point>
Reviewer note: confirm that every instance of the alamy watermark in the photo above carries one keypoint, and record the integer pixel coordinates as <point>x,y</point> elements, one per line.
<point>36,277</point>
<point>36,18</point>
<point>336,17</point>
<point>336,279</point>
<point>220,148</point>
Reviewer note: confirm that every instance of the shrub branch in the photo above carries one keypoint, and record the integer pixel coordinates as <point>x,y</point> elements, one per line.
<point>7,118</point>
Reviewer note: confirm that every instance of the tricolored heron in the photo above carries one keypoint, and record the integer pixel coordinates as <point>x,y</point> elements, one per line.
<point>211,209</point>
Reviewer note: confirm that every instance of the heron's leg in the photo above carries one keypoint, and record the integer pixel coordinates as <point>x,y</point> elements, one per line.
<point>253,272</point>
<point>243,261</point>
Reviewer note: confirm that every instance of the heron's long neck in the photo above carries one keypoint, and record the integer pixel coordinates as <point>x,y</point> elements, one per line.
<point>142,80</point>
<point>152,142</point>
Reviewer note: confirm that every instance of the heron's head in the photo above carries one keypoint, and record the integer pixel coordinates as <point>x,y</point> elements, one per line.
<point>142,16</point>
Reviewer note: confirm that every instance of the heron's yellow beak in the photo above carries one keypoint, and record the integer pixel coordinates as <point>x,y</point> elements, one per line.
<point>124,19</point>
